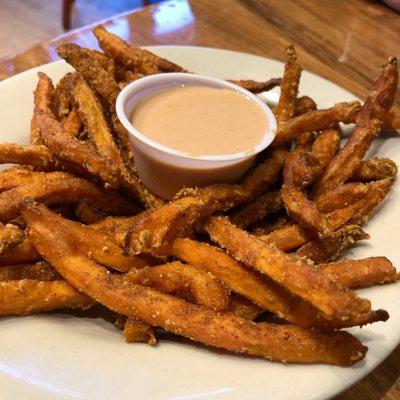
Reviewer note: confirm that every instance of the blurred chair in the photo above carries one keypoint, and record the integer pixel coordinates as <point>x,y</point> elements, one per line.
<point>68,5</point>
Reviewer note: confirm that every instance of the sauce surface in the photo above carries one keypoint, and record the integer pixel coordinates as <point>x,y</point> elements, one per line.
<point>201,120</point>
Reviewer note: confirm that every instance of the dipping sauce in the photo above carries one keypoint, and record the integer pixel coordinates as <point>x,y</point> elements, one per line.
<point>201,120</point>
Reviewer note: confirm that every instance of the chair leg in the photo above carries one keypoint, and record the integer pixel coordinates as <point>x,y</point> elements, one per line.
<point>66,13</point>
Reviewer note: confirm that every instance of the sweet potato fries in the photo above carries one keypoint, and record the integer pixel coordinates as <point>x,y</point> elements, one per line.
<point>78,227</point>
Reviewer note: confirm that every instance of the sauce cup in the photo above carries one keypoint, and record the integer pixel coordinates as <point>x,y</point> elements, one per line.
<point>165,170</point>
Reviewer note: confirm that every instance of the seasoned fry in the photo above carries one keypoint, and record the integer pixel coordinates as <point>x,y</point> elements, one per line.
<point>72,124</point>
<point>130,57</point>
<point>278,342</point>
<point>27,296</point>
<point>361,273</point>
<point>71,149</point>
<point>137,331</point>
<point>369,123</point>
<point>297,276</point>
<point>23,253</point>
<point>266,204</point>
<point>56,187</point>
<point>91,69</point>
<point>184,281</point>
<point>244,308</point>
<point>332,246</point>
<point>42,95</point>
<point>316,120</point>
<point>286,107</point>
<point>87,214</point>
<point>177,218</point>
<point>293,236</point>
<point>62,97</point>
<point>375,169</point>
<point>10,236</point>
<point>297,205</point>
<point>260,289</point>
<point>40,271</point>
<point>304,104</point>
<point>257,87</point>
<point>133,58</point>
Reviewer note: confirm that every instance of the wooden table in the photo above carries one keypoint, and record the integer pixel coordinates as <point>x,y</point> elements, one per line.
<point>344,41</point>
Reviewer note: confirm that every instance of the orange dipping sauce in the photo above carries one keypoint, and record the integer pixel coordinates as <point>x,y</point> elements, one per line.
<point>201,120</point>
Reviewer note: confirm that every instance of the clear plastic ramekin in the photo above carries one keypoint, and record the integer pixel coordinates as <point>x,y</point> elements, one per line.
<point>165,170</point>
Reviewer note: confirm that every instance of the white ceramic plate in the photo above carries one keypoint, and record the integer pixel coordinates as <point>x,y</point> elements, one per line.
<point>63,357</point>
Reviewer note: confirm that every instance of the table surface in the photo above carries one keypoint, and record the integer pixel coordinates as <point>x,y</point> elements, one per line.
<point>343,41</point>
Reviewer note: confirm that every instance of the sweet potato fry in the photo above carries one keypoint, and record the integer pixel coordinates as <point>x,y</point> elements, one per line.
<point>257,87</point>
<point>304,104</point>
<point>27,296</point>
<point>137,331</point>
<point>260,289</point>
<point>361,273</point>
<point>97,245</point>
<point>244,308</point>
<point>293,236</point>
<point>177,218</point>
<point>286,107</point>
<point>369,123</point>
<point>71,149</point>
<point>316,120</point>
<point>40,271</point>
<point>277,342</point>
<point>72,124</point>
<point>130,57</point>
<point>42,94</point>
<point>392,120</point>
<point>87,214</point>
<point>375,169</point>
<point>56,187</point>
<point>266,204</point>
<point>184,281</point>
<point>333,245</point>
<point>91,69</point>
<point>297,205</point>
<point>62,97</point>
<point>297,276</point>
<point>10,236</point>
<point>133,58</point>
<point>22,253</point>
<point>325,147</point>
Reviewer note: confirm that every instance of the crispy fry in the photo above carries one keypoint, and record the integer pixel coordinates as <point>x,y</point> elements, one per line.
<point>258,87</point>
<point>97,245</point>
<point>332,246</point>
<point>133,58</point>
<point>23,253</point>
<point>286,107</point>
<point>325,147</point>
<point>297,205</point>
<point>304,104</point>
<point>10,236</point>
<point>56,187</point>
<point>184,281</point>
<point>43,93</point>
<point>62,97</point>
<point>177,218</point>
<point>260,289</point>
<point>40,271</point>
<point>277,342</point>
<point>26,296</point>
<point>130,57</point>
<point>72,124</point>
<point>87,214</point>
<point>71,149</point>
<point>266,204</point>
<point>293,236</point>
<point>361,273</point>
<point>137,331</point>
<point>375,169</point>
<point>369,123</point>
<point>91,69</point>
<point>297,276</point>
<point>315,120</point>
<point>244,308</point>
<point>392,120</point>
